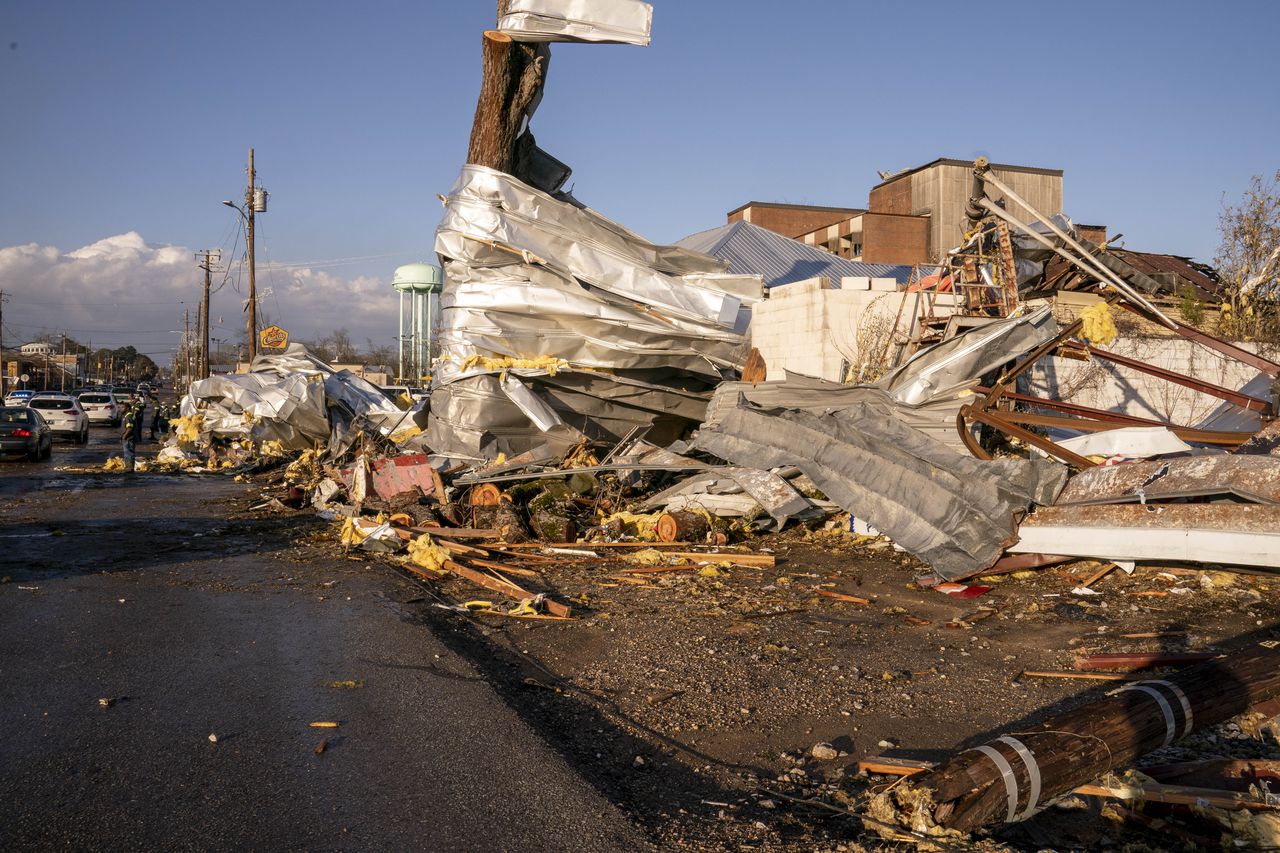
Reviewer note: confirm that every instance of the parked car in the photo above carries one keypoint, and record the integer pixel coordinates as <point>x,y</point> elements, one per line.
<point>100,407</point>
<point>23,430</point>
<point>18,398</point>
<point>64,415</point>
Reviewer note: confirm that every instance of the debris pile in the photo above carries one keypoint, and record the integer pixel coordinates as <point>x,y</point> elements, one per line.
<point>596,401</point>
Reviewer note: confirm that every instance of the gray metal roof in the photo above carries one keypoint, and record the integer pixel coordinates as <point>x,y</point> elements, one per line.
<point>749,249</point>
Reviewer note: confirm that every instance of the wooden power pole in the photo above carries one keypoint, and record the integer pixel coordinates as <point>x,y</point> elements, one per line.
<point>2,373</point>
<point>207,259</point>
<point>252,310</point>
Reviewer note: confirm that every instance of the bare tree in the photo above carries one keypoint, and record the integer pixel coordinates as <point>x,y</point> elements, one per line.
<point>344,351</point>
<point>379,354</point>
<point>1248,261</point>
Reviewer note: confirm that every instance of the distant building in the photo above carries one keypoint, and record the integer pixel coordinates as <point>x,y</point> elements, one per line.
<point>37,348</point>
<point>912,217</point>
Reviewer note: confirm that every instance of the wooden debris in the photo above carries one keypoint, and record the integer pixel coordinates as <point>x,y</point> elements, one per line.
<point>503,587</point>
<point>755,561</point>
<point>1082,676</point>
<point>486,494</point>
<point>322,745</point>
<point>1069,750</point>
<point>459,532</point>
<point>504,567</point>
<point>682,526</point>
<point>1152,792</point>
<point>840,596</point>
<point>755,370</point>
<point>514,546</point>
<point>1099,575</point>
<point>324,724</point>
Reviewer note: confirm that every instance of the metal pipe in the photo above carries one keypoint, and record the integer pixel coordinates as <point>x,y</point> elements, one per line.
<point>1107,277</point>
<point>1086,257</point>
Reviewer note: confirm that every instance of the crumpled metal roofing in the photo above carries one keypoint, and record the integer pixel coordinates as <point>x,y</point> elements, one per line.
<point>556,319</point>
<point>749,249</point>
<point>951,511</point>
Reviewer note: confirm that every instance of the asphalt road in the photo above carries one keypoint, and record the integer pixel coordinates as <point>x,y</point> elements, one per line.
<point>142,591</point>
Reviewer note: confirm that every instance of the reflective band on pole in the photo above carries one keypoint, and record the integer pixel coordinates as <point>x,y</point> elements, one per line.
<point>1170,724</point>
<point>1010,783</point>
<point>1182,698</point>
<point>1033,775</point>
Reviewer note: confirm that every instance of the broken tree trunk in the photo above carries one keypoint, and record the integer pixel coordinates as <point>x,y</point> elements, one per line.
<point>681,526</point>
<point>1011,777</point>
<point>513,74</point>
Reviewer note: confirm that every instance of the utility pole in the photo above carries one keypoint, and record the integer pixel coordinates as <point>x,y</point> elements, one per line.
<point>253,281</point>
<point>186,345</point>
<point>62,366</point>
<point>207,258</point>
<point>2,373</point>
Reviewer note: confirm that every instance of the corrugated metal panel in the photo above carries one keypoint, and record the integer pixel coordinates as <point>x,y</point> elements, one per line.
<point>749,249</point>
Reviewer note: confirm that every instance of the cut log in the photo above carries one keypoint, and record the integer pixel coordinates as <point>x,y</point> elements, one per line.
<point>486,494</point>
<point>1010,778</point>
<point>1155,792</point>
<point>553,526</point>
<point>682,526</point>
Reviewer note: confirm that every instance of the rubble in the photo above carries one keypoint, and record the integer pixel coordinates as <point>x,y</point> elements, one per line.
<point>592,412</point>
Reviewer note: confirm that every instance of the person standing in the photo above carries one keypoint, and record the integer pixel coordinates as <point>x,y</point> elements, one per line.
<point>131,431</point>
<point>157,417</point>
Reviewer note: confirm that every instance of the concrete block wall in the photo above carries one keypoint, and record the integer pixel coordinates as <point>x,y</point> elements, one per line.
<point>810,328</point>
<point>1103,385</point>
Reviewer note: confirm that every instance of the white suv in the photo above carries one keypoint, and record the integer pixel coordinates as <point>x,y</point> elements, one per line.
<point>100,407</point>
<point>63,414</point>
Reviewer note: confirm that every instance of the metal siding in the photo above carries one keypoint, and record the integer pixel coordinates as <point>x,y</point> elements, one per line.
<point>749,249</point>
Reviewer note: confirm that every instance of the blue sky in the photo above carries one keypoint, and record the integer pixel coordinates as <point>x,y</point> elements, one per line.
<point>136,117</point>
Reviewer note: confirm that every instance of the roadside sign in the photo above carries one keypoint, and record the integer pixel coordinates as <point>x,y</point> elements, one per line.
<point>25,378</point>
<point>273,337</point>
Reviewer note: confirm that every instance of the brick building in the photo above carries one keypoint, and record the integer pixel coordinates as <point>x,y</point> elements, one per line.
<point>912,217</point>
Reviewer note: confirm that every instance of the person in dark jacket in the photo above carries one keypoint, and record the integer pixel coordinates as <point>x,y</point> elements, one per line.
<point>159,418</point>
<point>131,431</point>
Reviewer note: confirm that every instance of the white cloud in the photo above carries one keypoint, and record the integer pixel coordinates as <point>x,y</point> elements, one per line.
<point>122,290</point>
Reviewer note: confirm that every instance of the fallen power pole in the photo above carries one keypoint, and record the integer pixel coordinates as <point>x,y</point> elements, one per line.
<point>1011,777</point>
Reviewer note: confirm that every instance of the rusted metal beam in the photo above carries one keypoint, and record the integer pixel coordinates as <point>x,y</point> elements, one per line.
<point>1078,410</point>
<point>998,421</point>
<point>1253,404</point>
<point>1216,344</point>
<point>1199,436</point>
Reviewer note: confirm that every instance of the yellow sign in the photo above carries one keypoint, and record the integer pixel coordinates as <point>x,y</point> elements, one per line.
<point>13,369</point>
<point>273,337</point>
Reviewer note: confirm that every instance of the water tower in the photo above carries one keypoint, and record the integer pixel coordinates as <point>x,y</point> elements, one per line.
<point>422,283</point>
